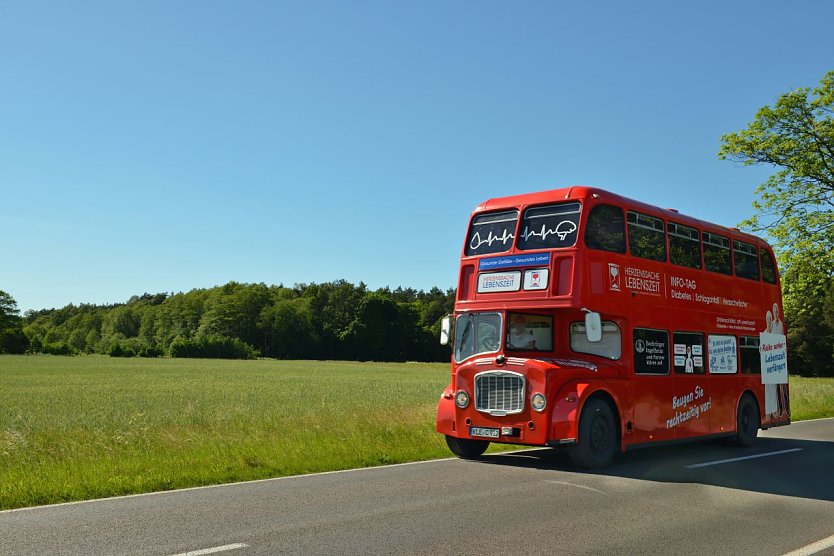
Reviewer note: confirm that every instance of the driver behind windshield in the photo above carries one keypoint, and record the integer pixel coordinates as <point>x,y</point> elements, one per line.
<point>521,337</point>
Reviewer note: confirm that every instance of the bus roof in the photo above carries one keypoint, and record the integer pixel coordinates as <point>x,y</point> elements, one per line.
<point>582,192</point>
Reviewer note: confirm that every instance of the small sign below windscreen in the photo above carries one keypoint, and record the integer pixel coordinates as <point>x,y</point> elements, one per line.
<point>549,227</point>
<point>491,233</point>
<point>509,281</point>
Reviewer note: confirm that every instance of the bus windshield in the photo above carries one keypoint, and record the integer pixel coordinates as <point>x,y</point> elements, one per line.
<point>477,333</point>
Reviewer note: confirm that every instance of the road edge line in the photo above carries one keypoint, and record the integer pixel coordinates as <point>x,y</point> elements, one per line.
<point>214,549</point>
<point>813,548</point>
<point>221,485</point>
<point>742,458</point>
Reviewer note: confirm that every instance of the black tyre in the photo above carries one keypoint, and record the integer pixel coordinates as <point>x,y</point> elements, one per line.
<point>466,449</point>
<point>597,440</point>
<point>747,421</point>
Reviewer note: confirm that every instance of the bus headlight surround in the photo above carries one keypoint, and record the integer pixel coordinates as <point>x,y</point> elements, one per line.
<point>538,402</point>
<point>461,399</point>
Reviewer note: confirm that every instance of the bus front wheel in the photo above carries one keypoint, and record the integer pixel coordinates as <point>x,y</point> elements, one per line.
<point>747,422</point>
<point>466,449</point>
<point>597,440</point>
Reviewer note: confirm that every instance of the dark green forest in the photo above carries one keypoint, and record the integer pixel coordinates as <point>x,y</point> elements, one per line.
<point>335,320</point>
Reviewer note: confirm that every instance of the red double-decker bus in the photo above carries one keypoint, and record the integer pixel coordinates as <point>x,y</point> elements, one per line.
<point>594,322</point>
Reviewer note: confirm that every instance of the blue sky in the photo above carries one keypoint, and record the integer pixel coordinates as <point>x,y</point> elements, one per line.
<point>162,146</point>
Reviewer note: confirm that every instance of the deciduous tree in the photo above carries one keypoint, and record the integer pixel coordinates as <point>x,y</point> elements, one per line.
<point>795,208</point>
<point>796,204</point>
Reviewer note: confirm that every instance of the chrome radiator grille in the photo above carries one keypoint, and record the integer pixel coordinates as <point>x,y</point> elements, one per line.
<point>499,392</point>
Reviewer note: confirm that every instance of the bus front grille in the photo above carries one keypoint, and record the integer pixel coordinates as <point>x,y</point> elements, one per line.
<point>499,392</point>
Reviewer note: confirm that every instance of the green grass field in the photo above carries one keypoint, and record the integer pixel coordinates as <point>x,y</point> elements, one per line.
<point>74,428</point>
<point>811,398</point>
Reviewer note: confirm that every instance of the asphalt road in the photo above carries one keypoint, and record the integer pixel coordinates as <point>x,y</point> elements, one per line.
<point>649,501</point>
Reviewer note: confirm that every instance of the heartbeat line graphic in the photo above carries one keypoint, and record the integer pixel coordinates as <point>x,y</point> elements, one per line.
<point>476,240</point>
<point>563,229</point>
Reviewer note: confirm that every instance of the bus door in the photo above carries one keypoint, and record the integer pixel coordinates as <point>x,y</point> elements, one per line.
<point>691,405</point>
<point>652,386</point>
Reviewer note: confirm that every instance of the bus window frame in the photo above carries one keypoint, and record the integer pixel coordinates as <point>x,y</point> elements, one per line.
<point>729,248</point>
<point>523,213</point>
<point>669,361</point>
<point>469,235</point>
<point>589,228</point>
<point>582,324</point>
<point>742,252</point>
<point>511,315</point>
<point>637,224</point>
<point>698,241</point>
<point>742,349</point>
<point>709,352</point>
<point>703,336</point>
<point>774,268</point>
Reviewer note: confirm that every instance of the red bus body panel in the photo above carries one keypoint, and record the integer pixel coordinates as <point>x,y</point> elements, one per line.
<point>642,294</point>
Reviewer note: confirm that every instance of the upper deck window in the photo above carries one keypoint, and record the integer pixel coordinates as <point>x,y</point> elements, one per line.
<point>606,229</point>
<point>491,233</point>
<point>684,245</point>
<point>768,267</point>
<point>717,257</point>
<point>646,236</point>
<point>746,260</point>
<point>549,227</point>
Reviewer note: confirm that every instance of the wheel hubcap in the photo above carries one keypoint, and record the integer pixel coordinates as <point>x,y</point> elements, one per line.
<point>599,435</point>
<point>747,422</point>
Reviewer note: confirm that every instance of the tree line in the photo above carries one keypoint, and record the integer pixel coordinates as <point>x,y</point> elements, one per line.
<point>334,320</point>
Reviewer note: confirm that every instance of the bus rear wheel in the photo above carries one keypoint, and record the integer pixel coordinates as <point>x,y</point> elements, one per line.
<point>466,449</point>
<point>747,422</point>
<point>597,440</point>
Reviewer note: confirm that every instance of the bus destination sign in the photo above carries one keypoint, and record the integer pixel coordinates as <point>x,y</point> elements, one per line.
<point>495,263</point>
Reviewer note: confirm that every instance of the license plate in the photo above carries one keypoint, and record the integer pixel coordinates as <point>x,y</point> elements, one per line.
<point>485,432</point>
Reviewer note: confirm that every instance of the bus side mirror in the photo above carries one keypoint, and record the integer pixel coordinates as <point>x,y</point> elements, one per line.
<point>593,326</point>
<point>445,330</point>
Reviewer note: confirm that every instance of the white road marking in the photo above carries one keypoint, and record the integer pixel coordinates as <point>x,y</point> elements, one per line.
<point>215,550</point>
<point>575,485</point>
<point>818,546</point>
<point>719,462</point>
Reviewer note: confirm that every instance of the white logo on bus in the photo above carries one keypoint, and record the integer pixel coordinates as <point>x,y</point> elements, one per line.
<point>614,277</point>
<point>563,229</point>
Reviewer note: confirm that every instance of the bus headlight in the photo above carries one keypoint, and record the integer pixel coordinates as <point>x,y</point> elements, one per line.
<point>538,401</point>
<point>461,399</point>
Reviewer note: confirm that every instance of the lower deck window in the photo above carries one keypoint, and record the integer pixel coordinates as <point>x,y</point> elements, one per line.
<point>689,352</point>
<point>751,361</point>
<point>609,347</point>
<point>651,351</point>
<point>723,359</point>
